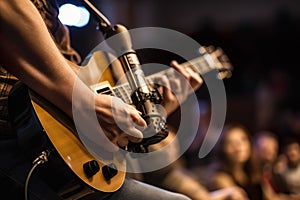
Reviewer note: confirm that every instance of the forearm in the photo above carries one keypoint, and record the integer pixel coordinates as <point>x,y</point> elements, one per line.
<point>28,51</point>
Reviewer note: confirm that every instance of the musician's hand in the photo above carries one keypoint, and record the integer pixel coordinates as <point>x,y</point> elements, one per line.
<point>179,87</point>
<point>192,77</point>
<point>120,122</point>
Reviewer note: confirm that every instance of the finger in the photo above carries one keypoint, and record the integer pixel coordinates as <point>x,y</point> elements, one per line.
<point>112,135</point>
<point>122,141</point>
<point>140,113</point>
<point>167,93</point>
<point>184,78</point>
<point>136,117</point>
<point>135,135</point>
<point>194,77</point>
<point>132,135</point>
<point>113,138</point>
<point>179,68</point>
<point>176,86</point>
<point>193,83</point>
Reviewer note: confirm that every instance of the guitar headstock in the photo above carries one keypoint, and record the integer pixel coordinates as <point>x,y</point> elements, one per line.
<point>220,59</point>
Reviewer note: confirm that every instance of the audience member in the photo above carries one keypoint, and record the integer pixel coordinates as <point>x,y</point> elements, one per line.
<point>233,164</point>
<point>269,163</point>
<point>291,174</point>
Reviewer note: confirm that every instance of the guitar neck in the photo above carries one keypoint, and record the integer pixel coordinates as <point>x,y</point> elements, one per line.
<point>200,65</point>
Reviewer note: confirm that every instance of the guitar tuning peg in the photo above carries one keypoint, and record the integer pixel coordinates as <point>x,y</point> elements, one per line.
<point>202,50</point>
<point>211,48</point>
<point>229,67</point>
<point>228,74</point>
<point>224,58</point>
<point>224,74</point>
<point>218,52</point>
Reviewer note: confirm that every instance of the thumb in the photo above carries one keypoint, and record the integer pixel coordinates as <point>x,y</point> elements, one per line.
<point>137,119</point>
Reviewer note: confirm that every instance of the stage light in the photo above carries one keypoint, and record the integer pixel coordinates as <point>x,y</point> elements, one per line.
<point>72,15</point>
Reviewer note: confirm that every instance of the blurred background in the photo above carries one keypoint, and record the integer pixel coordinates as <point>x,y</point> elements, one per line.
<point>260,37</point>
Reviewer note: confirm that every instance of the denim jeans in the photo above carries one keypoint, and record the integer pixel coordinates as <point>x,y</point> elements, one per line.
<point>135,190</point>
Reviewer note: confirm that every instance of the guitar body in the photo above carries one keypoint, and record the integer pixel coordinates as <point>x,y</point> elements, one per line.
<point>75,154</point>
<point>61,131</point>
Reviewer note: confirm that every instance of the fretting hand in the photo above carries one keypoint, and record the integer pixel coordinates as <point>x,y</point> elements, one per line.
<point>178,88</point>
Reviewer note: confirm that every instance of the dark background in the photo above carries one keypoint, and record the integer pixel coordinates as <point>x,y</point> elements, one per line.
<point>260,37</point>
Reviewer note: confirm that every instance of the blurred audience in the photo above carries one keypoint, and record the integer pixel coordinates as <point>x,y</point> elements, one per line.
<point>233,164</point>
<point>270,164</point>
<point>291,174</point>
<point>176,177</point>
<point>257,168</point>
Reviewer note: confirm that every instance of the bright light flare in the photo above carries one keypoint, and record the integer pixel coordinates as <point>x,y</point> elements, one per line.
<point>72,15</point>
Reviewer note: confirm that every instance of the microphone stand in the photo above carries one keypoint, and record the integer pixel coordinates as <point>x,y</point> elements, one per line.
<point>144,97</point>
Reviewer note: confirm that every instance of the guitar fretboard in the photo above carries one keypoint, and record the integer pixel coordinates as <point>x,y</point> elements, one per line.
<point>200,65</point>
<point>124,92</point>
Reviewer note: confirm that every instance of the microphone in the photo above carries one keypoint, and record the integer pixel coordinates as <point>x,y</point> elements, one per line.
<point>144,96</point>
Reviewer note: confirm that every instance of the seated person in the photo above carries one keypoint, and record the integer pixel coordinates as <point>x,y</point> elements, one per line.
<point>232,164</point>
